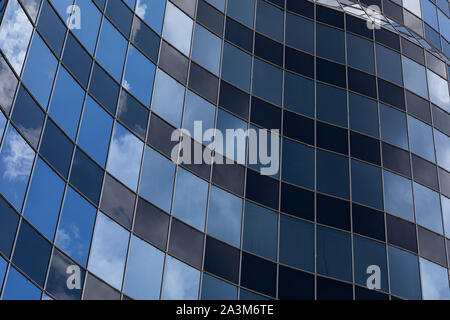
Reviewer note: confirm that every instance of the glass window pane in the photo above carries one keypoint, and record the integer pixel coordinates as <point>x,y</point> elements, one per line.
<point>269,20</point>
<point>438,91</point>
<point>297,243</point>
<point>442,149</point>
<point>298,164</point>
<point>224,216</point>
<point>242,11</point>
<point>404,274</point>
<point>236,66</point>
<point>144,271</point>
<point>267,81</point>
<point>198,109</point>
<point>139,75</point>
<point>393,126</point>
<point>190,206</point>
<point>215,289</point>
<point>389,64</point>
<point>360,53</point>
<point>111,50</point>
<point>334,253</point>
<point>40,70</point>
<point>168,98</point>
<point>17,287</point>
<point>435,284</point>
<point>157,179</point>
<point>299,94</point>
<point>75,227</point>
<point>152,12</point>
<point>369,253</point>
<point>330,43</point>
<point>260,231</point>
<point>206,49</point>
<point>16,159</point>
<point>332,174</point>
<point>66,104</point>
<point>398,196</point>
<point>428,208</point>
<point>331,105</point>
<point>90,25</point>
<point>446,213</point>
<point>366,184</point>
<point>95,131</point>
<point>181,281</point>
<point>44,199</point>
<point>109,251</point>
<point>8,89</point>
<point>13,40</point>
<point>421,139</point>
<point>178,29</point>
<point>363,115</point>
<point>299,33</point>
<point>415,78</point>
<point>125,156</point>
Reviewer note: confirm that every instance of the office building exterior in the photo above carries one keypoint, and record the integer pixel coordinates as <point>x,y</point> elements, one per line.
<point>353,97</point>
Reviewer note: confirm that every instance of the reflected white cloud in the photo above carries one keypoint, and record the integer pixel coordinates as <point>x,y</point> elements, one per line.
<point>8,87</point>
<point>15,35</point>
<point>438,91</point>
<point>178,28</point>
<point>141,9</point>
<point>69,240</point>
<point>434,281</point>
<point>181,281</point>
<point>125,156</point>
<point>109,250</point>
<point>17,158</point>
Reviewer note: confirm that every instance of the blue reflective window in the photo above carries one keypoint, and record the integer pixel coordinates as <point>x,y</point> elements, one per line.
<point>299,94</point>
<point>269,20</point>
<point>61,7</point>
<point>157,179</point>
<point>144,271</point>
<point>152,12</point>
<point>190,206</point>
<point>334,253</point>
<point>404,274</point>
<point>17,287</point>
<point>366,184</point>
<point>363,114</point>
<point>267,81</point>
<point>428,208</point>
<point>435,285</point>
<point>224,216</point>
<point>332,174</point>
<point>111,50</point>
<point>421,139</point>
<point>16,159</point>
<point>414,77</point>
<point>2,124</point>
<point>297,243</point>
<point>299,33</point>
<point>67,101</point>
<point>389,64</point>
<point>429,13</point>
<point>3,265</point>
<point>125,156</point>
<point>330,43</point>
<point>398,196</point>
<point>236,66</point>
<point>242,11</point>
<point>181,281</point>
<point>40,70</point>
<point>139,75</point>
<point>227,121</point>
<point>446,213</point>
<point>331,105</point>
<point>88,32</point>
<point>438,88</point>
<point>75,227</point>
<point>442,149</point>
<point>16,47</point>
<point>219,4</point>
<point>95,131</point>
<point>260,231</point>
<point>369,253</point>
<point>298,164</point>
<point>360,53</point>
<point>109,251</point>
<point>198,109</point>
<point>178,29</point>
<point>206,49</point>
<point>215,289</point>
<point>393,126</point>
<point>168,98</point>
<point>44,199</point>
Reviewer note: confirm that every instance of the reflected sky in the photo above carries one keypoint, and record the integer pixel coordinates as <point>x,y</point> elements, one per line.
<point>8,87</point>
<point>414,76</point>
<point>17,287</point>
<point>434,281</point>
<point>125,156</point>
<point>152,12</point>
<point>178,29</point>
<point>180,281</point>
<point>16,159</point>
<point>144,271</point>
<point>109,250</point>
<point>398,196</point>
<point>446,213</point>
<point>428,208</point>
<point>442,149</point>
<point>438,91</point>
<point>15,34</point>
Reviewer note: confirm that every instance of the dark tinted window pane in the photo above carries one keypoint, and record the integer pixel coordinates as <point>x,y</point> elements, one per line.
<point>8,225</point>
<point>210,17</point>
<point>262,189</point>
<point>222,260</point>
<point>368,222</point>
<point>265,114</point>
<point>258,274</point>
<point>299,62</point>
<point>362,83</point>
<point>365,148</point>
<point>328,289</point>
<point>173,62</point>
<point>51,27</point>
<point>268,49</point>
<point>391,94</point>
<point>333,212</point>
<point>292,196</point>
<point>330,16</point>
<point>229,176</point>
<point>239,35</point>
<point>396,159</point>
<point>145,39</point>
<point>118,12</point>
<point>56,148</point>
<point>358,26</point>
<point>203,82</point>
<point>418,107</point>
<point>234,100</point>
<point>77,60</point>
<point>401,233</point>
<point>32,253</point>
<point>424,172</point>
<point>151,223</point>
<point>332,138</point>
<point>298,127</point>
<point>104,89</point>
<point>289,284</point>
<point>98,290</point>
<point>303,7</point>
<point>330,72</point>
<point>159,135</point>
<point>432,246</point>
<point>133,114</point>
<point>117,201</point>
<point>186,243</point>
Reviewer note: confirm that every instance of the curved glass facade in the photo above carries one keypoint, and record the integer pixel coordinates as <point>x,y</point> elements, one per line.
<point>94,205</point>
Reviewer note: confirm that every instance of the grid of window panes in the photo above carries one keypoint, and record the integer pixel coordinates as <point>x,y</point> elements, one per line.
<point>86,178</point>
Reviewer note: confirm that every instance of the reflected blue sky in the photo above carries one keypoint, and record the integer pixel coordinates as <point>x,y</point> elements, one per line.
<point>152,12</point>
<point>434,281</point>
<point>398,196</point>
<point>17,287</point>
<point>428,208</point>
<point>178,29</point>
<point>181,282</point>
